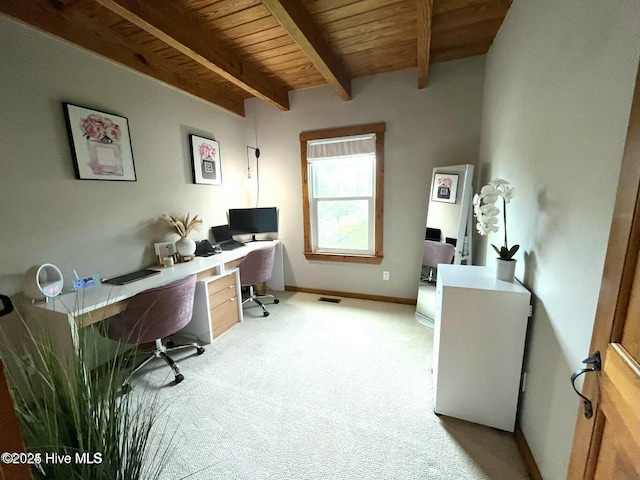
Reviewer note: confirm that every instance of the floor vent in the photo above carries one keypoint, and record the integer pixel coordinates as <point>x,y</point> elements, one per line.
<point>330,300</point>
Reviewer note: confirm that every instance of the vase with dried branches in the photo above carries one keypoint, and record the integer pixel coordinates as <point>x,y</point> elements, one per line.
<point>183,225</point>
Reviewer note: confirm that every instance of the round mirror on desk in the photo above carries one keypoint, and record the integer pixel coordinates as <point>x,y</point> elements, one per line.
<point>42,282</point>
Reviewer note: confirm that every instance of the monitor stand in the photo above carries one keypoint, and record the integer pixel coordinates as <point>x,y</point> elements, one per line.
<point>254,239</point>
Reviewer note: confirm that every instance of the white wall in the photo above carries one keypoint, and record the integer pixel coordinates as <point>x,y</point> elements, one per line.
<point>558,90</point>
<point>425,128</point>
<point>97,227</point>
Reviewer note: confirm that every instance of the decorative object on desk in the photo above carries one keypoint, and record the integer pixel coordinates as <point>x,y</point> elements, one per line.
<point>81,413</point>
<point>445,187</point>
<point>205,160</point>
<point>486,211</point>
<point>42,282</point>
<point>164,250</point>
<point>186,248</point>
<point>183,225</point>
<point>100,144</point>
<point>168,262</point>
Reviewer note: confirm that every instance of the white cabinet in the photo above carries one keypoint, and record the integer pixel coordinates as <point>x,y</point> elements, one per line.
<point>479,335</point>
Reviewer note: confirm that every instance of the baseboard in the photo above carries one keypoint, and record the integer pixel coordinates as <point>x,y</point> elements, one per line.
<point>361,296</point>
<point>527,456</point>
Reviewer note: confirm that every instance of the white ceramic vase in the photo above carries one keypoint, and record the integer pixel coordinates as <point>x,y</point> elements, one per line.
<point>505,269</point>
<point>186,247</point>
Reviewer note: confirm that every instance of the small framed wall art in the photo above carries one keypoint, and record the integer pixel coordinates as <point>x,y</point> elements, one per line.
<point>445,188</point>
<point>205,160</point>
<point>100,144</point>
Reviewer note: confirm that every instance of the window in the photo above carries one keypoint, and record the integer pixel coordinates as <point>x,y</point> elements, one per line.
<point>342,189</point>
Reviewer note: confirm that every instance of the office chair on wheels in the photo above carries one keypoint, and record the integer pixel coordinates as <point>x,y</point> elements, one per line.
<point>153,315</point>
<point>433,254</point>
<point>257,267</point>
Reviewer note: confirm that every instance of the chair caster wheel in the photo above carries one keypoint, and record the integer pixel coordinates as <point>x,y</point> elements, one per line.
<point>179,378</point>
<point>199,350</point>
<point>170,344</point>
<point>276,301</point>
<point>265,314</point>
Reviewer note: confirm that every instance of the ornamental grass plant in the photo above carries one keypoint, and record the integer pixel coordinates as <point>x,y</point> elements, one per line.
<point>67,411</point>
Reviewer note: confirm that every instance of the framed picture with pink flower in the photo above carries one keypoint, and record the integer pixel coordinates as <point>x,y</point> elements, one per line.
<point>100,144</point>
<point>205,160</point>
<point>445,187</point>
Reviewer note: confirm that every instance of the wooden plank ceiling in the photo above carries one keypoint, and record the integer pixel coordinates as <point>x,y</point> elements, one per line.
<point>225,51</point>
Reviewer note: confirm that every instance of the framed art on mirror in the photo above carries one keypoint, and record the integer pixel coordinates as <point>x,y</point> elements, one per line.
<point>205,160</point>
<point>445,187</point>
<point>100,144</point>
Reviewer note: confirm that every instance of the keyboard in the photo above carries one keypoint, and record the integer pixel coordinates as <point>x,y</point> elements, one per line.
<point>231,245</point>
<point>131,277</point>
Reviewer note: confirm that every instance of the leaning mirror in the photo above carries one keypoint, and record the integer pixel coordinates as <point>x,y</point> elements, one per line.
<point>448,231</point>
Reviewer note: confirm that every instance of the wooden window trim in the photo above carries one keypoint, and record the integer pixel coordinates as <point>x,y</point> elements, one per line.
<point>378,129</point>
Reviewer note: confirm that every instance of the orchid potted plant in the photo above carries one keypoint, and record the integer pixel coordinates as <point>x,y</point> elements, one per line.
<point>486,211</point>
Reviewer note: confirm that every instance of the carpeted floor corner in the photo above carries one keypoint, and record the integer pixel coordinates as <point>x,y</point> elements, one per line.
<point>320,391</point>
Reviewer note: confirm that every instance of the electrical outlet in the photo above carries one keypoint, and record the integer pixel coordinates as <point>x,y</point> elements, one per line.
<point>385,275</point>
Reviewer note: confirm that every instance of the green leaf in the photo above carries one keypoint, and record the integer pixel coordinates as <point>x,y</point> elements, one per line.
<point>505,253</point>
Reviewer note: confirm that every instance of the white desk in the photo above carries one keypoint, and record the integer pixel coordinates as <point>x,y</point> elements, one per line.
<point>62,316</point>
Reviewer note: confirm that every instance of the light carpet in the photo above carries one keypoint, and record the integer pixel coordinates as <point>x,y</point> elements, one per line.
<point>321,391</point>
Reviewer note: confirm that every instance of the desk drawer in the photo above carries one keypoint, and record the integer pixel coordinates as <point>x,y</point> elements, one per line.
<point>222,296</point>
<point>207,273</point>
<point>224,316</point>
<point>221,284</point>
<point>233,263</point>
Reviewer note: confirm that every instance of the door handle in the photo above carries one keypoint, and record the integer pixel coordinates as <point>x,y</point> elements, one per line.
<point>596,363</point>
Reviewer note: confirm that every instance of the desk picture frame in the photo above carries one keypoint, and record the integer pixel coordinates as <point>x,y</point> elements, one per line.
<point>445,187</point>
<point>205,160</point>
<point>100,144</point>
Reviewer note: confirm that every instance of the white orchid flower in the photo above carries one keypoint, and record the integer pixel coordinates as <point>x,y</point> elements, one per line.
<point>489,209</point>
<point>488,190</point>
<point>498,182</point>
<point>487,212</point>
<point>490,198</point>
<point>507,194</point>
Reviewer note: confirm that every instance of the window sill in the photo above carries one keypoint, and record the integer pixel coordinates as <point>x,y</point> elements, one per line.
<point>345,258</point>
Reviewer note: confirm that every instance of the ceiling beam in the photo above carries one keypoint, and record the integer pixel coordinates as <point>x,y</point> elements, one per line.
<point>297,21</point>
<point>425,10</point>
<point>160,19</point>
<point>67,23</point>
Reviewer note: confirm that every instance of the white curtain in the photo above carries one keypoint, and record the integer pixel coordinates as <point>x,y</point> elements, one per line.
<point>341,147</point>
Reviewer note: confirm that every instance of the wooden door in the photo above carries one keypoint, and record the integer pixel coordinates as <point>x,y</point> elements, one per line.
<point>607,446</point>
<point>11,439</point>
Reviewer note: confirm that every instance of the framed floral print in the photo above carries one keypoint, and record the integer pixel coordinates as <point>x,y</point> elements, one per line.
<point>205,160</point>
<point>445,187</point>
<point>100,144</point>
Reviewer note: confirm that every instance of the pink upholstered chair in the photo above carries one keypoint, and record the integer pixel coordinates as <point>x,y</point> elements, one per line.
<point>153,315</point>
<point>435,253</point>
<point>257,267</point>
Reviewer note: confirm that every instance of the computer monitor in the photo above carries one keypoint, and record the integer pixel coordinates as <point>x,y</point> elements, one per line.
<point>253,220</point>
